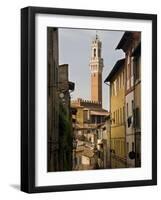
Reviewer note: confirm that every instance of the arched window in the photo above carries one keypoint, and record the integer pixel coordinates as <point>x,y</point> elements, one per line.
<point>99,52</point>
<point>94,52</point>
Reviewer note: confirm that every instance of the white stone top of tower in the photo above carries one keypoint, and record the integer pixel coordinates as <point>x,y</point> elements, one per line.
<point>96,61</point>
<point>96,41</point>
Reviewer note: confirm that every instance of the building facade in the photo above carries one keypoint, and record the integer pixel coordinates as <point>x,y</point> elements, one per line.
<point>116,78</point>
<point>53,100</point>
<point>128,44</point>
<point>91,136</point>
<point>103,144</point>
<point>65,119</point>
<point>59,121</point>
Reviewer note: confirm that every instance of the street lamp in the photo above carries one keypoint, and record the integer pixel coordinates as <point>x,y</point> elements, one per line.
<point>61,95</point>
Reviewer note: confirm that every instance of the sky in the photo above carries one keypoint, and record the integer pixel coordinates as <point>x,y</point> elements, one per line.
<point>75,50</point>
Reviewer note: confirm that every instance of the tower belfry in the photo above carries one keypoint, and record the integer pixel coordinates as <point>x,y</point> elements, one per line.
<point>96,66</point>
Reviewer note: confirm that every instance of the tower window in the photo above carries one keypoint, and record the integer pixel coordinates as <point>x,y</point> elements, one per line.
<point>94,52</point>
<point>99,53</point>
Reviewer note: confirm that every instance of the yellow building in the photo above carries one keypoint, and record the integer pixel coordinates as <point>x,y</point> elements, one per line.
<point>116,78</point>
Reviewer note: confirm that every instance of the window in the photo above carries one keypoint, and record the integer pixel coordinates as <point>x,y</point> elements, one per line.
<point>132,66</point>
<point>116,117</point>
<point>85,113</point>
<point>120,115</point>
<point>137,68</point>
<point>137,118</point>
<point>99,52</point>
<point>123,114</point>
<point>128,67</point>
<point>94,52</point>
<point>127,147</point>
<point>127,73</point>
<point>127,110</point>
<point>132,106</point>
<point>114,88</point>
<point>92,119</point>
<point>98,119</point>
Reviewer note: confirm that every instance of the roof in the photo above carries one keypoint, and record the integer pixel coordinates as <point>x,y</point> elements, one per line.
<point>124,38</point>
<point>101,113</point>
<point>115,69</point>
<point>86,127</point>
<point>96,109</point>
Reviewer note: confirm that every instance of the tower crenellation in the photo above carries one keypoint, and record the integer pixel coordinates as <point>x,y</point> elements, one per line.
<point>85,103</point>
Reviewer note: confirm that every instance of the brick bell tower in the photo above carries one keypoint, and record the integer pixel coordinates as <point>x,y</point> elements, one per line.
<point>96,66</point>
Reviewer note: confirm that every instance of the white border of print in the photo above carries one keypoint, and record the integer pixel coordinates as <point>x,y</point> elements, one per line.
<point>92,176</point>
